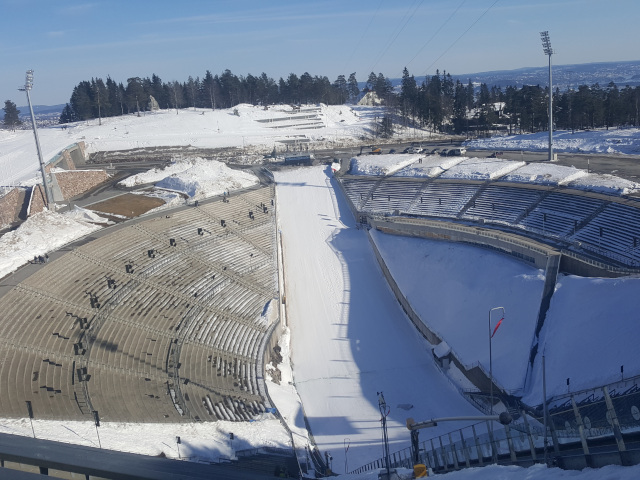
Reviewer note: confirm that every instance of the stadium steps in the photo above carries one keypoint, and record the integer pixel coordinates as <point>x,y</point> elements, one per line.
<point>531,207</point>
<point>587,220</point>
<point>472,200</point>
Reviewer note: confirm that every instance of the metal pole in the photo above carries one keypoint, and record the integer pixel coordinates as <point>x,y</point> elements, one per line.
<point>550,111</point>
<point>544,407</point>
<point>99,442</point>
<point>546,47</point>
<point>47,188</point>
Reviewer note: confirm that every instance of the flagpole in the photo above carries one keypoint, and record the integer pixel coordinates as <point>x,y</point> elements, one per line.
<point>491,334</point>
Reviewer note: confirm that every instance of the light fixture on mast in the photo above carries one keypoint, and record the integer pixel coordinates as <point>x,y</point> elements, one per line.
<point>28,85</point>
<point>546,47</point>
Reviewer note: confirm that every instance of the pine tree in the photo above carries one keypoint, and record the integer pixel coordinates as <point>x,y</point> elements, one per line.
<point>352,86</point>
<point>67,115</point>
<point>11,118</point>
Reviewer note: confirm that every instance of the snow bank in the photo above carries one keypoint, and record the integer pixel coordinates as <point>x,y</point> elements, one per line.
<point>481,169</point>
<point>43,233</point>
<point>590,330</point>
<point>624,141</point>
<point>197,178</point>
<point>380,165</point>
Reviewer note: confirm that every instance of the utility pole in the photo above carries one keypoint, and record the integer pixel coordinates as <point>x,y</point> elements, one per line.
<point>28,85</point>
<point>546,47</point>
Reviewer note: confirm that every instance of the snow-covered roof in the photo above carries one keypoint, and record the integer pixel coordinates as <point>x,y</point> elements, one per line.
<point>544,174</point>
<point>379,165</point>
<point>481,169</point>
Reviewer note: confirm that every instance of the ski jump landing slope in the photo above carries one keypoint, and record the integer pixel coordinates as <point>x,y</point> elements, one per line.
<point>349,337</point>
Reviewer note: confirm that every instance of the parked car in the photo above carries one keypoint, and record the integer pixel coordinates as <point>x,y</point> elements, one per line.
<point>496,154</point>
<point>435,151</point>
<point>443,152</point>
<point>414,150</point>
<point>393,150</point>
<point>457,152</point>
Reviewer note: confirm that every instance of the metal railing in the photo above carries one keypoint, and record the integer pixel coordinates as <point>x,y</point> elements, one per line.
<point>582,418</point>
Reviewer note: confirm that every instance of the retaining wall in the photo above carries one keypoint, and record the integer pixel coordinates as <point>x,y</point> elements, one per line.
<point>11,205</point>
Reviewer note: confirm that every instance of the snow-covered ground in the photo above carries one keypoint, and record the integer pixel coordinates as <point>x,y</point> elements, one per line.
<point>203,441</point>
<point>589,332</point>
<point>254,129</point>
<point>624,141</point>
<point>349,337</point>
<point>43,233</point>
<point>452,287</point>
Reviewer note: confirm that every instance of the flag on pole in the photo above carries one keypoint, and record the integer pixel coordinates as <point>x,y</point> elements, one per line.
<point>496,327</point>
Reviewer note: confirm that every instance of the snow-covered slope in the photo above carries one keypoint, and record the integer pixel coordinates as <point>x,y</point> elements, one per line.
<point>245,126</point>
<point>349,337</point>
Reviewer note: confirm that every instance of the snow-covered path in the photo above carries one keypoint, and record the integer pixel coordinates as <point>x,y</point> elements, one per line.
<point>349,337</point>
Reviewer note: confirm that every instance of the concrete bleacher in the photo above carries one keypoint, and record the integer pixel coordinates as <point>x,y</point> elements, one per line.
<point>602,226</point>
<point>173,339</point>
<point>560,214</point>
<point>389,196</point>
<point>614,232</point>
<point>443,199</point>
<point>498,203</point>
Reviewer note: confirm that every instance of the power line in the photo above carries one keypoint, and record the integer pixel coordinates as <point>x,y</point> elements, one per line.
<point>398,30</point>
<point>462,35</point>
<point>348,62</point>
<point>436,33</point>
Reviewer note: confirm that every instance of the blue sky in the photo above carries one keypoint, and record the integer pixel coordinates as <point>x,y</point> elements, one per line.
<point>67,41</point>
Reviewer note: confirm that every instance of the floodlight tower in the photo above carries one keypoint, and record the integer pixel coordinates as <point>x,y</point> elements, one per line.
<point>546,47</point>
<point>28,85</point>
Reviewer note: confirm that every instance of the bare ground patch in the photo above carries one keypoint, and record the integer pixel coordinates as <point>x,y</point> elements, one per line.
<point>128,205</point>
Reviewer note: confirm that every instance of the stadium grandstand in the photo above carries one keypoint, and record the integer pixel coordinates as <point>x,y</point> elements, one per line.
<point>159,320</point>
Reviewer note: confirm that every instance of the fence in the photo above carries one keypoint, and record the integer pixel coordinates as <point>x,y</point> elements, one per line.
<point>592,428</point>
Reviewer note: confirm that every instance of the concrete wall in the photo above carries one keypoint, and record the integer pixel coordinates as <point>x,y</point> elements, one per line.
<point>475,374</point>
<point>38,200</point>
<point>529,251</point>
<point>11,205</point>
<point>76,182</point>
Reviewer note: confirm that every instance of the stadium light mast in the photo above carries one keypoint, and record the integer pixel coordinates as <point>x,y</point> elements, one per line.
<point>546,47</point>
<point>28,85</point>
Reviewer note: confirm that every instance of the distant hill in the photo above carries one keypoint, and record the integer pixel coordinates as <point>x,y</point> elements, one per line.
<point>45,114</point>
<point>42,109</point>
<point>564,76</point>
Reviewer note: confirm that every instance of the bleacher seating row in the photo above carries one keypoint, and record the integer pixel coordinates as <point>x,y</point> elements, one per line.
<point>607,227</point>
<point>155,322</point>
